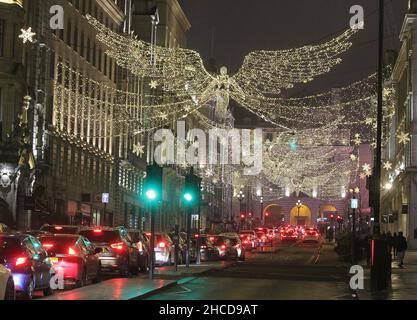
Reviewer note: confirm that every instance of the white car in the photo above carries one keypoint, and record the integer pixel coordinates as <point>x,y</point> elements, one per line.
<point>311,235</point>
<point>7,290</point>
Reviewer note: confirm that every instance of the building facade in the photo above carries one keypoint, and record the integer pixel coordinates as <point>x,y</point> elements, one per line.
<point>399,178</point>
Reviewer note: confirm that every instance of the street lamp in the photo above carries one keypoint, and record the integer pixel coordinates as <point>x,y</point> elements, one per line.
<point>240,197</point>
<point>262,211</point>
<point>299,205</point>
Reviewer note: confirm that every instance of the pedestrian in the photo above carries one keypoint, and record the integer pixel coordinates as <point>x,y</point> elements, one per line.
<point>395,242</point>
<point>390,242</point>
<point>401,248</point>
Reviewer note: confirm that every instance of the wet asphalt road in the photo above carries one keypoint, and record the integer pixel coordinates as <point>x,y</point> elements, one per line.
<point>287,272</point>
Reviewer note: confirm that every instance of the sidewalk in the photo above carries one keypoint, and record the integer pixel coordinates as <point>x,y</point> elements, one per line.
<point>139,288</point>
<point>403,284</point>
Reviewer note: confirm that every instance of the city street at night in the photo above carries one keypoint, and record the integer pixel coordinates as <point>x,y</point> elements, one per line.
<point>183,151</point>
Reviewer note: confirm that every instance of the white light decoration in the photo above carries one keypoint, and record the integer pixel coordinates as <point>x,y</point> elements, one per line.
<point>153,84</point>
<point>27,35</point>
<point>403,138</point>
<point>138,149</point>
<point>387,165</point>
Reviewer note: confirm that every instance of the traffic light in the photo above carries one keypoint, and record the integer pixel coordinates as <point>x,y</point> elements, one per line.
<point>153,184</point>
<point>191,193</point>
<point>242,216</point>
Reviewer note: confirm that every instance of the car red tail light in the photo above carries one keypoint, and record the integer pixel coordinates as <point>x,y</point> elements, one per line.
<point>223,247</point>
<point>72,251</point>
<point>20,261</point>
<point>47,246</point>
<point>117,245</point>
<point>246,242</point>
<point>58,228</point>
<point>97,231</point>
<point>162,245</point>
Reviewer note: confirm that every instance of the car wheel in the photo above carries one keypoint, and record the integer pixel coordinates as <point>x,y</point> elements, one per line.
<point>134,270</point>
<point>124,270</point>
<point>48,291</point>
<point>144,267</point>
<point>97,279</point>
<point>83,281</point>
<point>28,293</point>
<point>10,290</point>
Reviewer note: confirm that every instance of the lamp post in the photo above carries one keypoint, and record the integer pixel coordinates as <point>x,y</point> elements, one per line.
<point>261,200</point>
<point>299,205</point>
<point>240,197</point>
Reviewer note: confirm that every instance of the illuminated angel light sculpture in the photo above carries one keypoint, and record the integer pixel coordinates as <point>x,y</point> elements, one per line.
<point>261,78</point>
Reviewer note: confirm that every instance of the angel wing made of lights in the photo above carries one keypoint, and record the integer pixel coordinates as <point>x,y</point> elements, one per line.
<point>264,73</point>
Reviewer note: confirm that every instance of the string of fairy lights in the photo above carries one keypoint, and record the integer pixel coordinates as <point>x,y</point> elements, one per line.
<point>314,145</point>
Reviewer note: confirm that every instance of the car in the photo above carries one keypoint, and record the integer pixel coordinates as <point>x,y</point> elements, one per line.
<point>236,243</point>
<point>262,238</point>
<point>3,228</point>
<point>7,290</point>
<point>60,229</point>
<point>143,245</point>
<point>249,239</point>
<point>28,262</point>
<point>208,251</point>
<point>118,253</point>
<point>164,249</point>
<point>288,234</point>
<point>75,256</point>
<point>224,247</point>
<point>311,235</point>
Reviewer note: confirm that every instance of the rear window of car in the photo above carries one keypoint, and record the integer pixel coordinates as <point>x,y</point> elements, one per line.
<point>59,245</point>
<point>104,236</point>
<point>162,237</point>
<point>60,230</point>
<point>9,247</point>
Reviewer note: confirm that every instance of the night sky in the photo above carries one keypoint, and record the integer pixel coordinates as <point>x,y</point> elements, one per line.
<point>241,26</point>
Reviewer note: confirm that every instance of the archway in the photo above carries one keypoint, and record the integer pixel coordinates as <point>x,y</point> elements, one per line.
<point>273,215</point>
<point>300,216</point>
<point>327,210</point>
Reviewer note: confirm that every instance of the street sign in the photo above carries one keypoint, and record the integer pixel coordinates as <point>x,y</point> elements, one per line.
<point>354,204</point>
<point>105,198</point>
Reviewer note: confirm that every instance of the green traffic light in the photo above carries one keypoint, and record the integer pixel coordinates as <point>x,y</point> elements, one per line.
<point>151,194</point>
<point>188,197</point>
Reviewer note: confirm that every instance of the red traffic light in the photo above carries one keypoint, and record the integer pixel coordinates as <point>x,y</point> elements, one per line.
<point>242,216</point>
<point>266,214</point>
<point>331,216</point>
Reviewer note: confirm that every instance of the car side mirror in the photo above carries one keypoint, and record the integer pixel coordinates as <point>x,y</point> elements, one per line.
<point>97,250</point>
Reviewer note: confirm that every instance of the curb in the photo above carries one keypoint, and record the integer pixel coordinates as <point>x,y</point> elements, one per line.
<point>179,282</point>
<point>171,285</point>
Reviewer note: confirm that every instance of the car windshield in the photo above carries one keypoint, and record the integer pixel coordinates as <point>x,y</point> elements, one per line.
<point>101,236</point>
<point>60,229</point>
<point>9,247</point>
<point>58,245</point>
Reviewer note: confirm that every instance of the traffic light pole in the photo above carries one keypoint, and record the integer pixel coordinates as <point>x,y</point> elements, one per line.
<point>187,256</point>
<point>152,244</point>
<point>199,231</point>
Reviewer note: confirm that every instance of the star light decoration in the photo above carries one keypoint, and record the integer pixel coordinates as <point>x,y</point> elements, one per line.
<point>403,138</point>
<point>27,35</point>
<point>387,165</point>
<point>357,140</point>
<point>138,149</point>
<point>353,157</point>
<point>163,115</point>
<point>362,176</point>
<point>367,169</point>
<point>153,84</point>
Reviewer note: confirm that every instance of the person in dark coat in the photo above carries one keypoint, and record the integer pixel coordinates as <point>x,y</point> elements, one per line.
<point>395,242</point>
<point>390,242</point>
<point>401,249</point>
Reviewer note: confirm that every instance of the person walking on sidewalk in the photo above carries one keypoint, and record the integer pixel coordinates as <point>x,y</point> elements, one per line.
<point>401,248</point>
<point>390,242</point>
<point>395,242</point>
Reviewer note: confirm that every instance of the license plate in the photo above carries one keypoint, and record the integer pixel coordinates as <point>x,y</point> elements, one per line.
<point>54,260</point>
